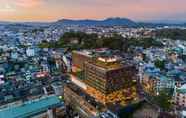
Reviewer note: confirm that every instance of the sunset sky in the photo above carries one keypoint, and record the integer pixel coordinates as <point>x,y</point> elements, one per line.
<point>51,10</point>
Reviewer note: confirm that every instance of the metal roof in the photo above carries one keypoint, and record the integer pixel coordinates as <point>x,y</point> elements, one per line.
<point>29,108</point>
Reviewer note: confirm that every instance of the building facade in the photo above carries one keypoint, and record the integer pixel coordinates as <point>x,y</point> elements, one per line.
<point>106,80</point>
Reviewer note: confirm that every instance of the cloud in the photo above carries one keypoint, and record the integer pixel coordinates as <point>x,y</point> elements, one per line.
<point>7,8</point>
<point>28,3</point>
<point>96,9</point>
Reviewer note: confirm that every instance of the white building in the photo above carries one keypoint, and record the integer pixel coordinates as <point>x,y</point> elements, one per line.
<point>14,55</point>
<point>30,52</point>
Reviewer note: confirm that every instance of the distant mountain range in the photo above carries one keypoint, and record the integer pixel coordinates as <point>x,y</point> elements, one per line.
<point>107,22</point>
<point>118,22</point>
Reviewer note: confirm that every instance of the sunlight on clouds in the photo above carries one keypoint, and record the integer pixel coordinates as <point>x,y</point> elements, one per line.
<point>91,9</point>
<point>6,7</point>
<point>12,5</point>
<point>28,3</point>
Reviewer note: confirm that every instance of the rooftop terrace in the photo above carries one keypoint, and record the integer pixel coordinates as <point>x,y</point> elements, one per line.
<point>108,66</point>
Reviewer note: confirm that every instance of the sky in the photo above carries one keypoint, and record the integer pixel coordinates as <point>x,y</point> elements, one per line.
<point>51,10</point>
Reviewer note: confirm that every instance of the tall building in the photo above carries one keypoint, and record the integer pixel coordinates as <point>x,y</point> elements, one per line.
<point>80,57</point>
<point>103,77</point>
<point>106,77</point>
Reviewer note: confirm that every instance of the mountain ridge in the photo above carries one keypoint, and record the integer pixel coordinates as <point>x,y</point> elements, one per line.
<point>106,22</point>
<point>113,21</point>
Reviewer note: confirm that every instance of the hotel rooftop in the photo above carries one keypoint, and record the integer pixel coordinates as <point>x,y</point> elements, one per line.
<point>108,63</point>
<point>103,58</point>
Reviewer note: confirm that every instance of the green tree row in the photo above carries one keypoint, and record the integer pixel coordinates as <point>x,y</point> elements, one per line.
<point>175,34</point>
<point>81,40</point>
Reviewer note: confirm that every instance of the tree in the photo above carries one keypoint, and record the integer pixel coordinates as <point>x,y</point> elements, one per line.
<point>160,64</point>
<point>174,34</point>
<point>92,41</point>
<point>163,100</point>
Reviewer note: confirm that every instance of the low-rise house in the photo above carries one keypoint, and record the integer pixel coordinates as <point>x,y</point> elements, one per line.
<point>180,96</point>
<point>153,84</point>
<point>153,81</point>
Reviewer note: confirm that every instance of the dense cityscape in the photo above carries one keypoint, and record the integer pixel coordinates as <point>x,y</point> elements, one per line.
<point>92,59</point>
<point>68,69</point>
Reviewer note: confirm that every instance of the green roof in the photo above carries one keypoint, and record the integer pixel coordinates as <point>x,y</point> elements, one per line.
<point>30,108</point>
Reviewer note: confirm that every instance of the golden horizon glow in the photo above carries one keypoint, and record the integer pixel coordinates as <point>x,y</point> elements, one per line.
<point>51,10</point>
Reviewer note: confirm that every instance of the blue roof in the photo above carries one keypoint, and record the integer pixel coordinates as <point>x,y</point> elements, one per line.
<point>163,78</point>
<point>177,73</point>
<point>152,71</point>
<point>178,50</point>
<point>29,108</point>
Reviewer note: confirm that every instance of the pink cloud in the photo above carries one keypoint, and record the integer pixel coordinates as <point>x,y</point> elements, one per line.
<point>28,3</point>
